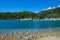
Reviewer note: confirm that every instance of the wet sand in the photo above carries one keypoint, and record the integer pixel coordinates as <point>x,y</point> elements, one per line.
<point>31,36</point>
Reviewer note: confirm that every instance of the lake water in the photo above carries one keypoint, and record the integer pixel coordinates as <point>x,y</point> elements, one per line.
<point>26,25</point>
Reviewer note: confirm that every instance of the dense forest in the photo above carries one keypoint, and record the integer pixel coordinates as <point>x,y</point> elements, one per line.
<point>51,13</point>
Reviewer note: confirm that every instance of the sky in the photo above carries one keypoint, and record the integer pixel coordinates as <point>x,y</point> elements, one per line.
<point>27,5</point>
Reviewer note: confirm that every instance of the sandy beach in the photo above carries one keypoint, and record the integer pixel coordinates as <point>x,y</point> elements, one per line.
<point>31,36</point>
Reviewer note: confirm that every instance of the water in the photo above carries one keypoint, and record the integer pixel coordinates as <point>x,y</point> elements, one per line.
<point>26,25</point>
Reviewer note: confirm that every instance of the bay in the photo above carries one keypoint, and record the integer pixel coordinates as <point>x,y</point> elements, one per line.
<point>26,25</point>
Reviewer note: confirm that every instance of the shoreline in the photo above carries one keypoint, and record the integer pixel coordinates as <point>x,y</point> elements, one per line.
<point>31,36</point>
<point>29,30</point>
<point>33,19</point>
<point>42,19</point>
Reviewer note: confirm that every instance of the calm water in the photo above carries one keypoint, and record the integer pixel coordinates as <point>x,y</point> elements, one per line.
<point>26,25</point>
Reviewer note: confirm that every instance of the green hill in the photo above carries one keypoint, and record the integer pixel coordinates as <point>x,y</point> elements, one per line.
<point>18,15</point>
<point>52,13</point>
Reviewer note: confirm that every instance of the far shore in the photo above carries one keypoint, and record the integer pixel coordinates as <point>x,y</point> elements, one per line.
<point>34,19</point>
<point>42,19</point>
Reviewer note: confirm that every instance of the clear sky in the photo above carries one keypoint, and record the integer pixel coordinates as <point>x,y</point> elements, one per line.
<point>26,5</point>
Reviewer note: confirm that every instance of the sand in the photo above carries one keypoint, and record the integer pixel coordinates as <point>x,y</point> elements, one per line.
<point>31,36</point>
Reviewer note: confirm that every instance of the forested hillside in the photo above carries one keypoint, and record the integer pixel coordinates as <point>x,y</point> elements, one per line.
<point>52,13</point>
<point>18,15</point>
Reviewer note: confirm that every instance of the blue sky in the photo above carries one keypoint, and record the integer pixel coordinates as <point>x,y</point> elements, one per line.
<point>27,5</point>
